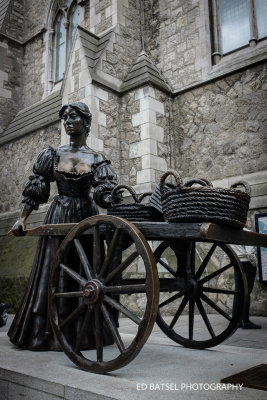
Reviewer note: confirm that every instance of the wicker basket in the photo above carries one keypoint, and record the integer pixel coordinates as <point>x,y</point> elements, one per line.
<point>155,198</point>
<point>133,211</point>
<point>205,203</point>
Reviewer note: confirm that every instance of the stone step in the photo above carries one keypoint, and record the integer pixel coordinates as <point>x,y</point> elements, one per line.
<point>160,371</point>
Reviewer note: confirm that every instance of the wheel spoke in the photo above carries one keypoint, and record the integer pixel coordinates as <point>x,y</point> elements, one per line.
<point>217,290</point>
<point>126,289</point>
<point>122,309</point>
<point>205,262</point>
<point>82,331</point>
<point>214,305</point>
<point>171,299</point>
<point>205,317</point>
<point>73,315</point>
<point>218,272</point>
<point>191,318</point>
<point>96,250</point>
<point>84,260</point>
<point>78,278</point>
<point>167,267</point>
<point>110,252</point>
<point>112,326</point>
<point>192,257</point>
<point>69,294</point>
<point>120,268</point>
<point>99,334</point>
<point>95,276</point>
<point>203,292</point>
<point>179,312</point>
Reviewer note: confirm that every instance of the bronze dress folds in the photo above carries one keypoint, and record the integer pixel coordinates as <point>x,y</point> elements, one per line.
<point>72,204</point>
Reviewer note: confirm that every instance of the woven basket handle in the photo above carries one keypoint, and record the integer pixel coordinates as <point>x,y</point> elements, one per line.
<point>143,195</point>
<point>127,187</point>
<point>244,184</point>
<point>202,182</point>
<point>172,172</point>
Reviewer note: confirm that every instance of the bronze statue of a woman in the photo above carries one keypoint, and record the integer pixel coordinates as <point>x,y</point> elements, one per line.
<point>76,169</point>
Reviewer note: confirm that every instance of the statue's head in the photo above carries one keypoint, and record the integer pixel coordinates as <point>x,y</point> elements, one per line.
<point>80,109</point>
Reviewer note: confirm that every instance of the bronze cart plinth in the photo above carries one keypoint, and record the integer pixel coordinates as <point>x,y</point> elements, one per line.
<point>197,270</point>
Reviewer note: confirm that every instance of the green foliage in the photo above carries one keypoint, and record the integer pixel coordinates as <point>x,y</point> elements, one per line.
<point>16,255</point>
<point>12,290</point>
<point>16,259</point>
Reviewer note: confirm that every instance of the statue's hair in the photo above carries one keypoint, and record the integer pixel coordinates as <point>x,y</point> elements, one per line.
<point>82,109</point>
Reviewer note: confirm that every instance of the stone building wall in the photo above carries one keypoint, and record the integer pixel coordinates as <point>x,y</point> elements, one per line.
<point>33,68</point>
<point>177,29</point>
<point>111,133</point>
<point>11,62</point>
<point>34,47</point>
<point>14,25</point>
<point>11,55</point>
<point>126,44</point>
<point>220,128</point>
<point>35,11</point>
<point>16,164</point>
<point>152,148</point>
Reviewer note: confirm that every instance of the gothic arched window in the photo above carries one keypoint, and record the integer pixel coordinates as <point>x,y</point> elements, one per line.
<point>65,24</point>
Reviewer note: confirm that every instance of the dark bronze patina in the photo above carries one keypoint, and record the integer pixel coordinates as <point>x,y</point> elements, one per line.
<point>76,169</point>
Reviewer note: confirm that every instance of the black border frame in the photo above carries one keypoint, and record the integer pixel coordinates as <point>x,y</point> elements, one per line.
<point>257,217</point>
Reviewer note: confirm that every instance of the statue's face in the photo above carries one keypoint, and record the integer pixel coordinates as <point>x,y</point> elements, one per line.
<point>73,122</point>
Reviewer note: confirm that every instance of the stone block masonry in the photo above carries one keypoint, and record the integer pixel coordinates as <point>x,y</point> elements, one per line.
<point>11,56</point>
<point>175,27</point>
<point>16,162</point>
<point>220,128</point>
<point>146,149</point>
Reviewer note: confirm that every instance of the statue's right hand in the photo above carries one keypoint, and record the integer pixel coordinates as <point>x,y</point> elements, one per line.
<point>17,229</point>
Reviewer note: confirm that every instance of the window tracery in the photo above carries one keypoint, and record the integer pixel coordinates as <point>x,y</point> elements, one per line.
<point>67,17</point>
<point>237,24</point>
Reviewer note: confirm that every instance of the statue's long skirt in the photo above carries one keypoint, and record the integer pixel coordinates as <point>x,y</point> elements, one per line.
<point>31,322</point>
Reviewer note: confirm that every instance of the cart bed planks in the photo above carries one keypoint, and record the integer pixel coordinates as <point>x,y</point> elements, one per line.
<point>186,230</point>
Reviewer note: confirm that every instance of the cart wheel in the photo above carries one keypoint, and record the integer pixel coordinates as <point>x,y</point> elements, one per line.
<point>104,292</point>
<point>200,314</point>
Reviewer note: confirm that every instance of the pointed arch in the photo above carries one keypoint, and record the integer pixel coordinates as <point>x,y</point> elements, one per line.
<point>63,18</point>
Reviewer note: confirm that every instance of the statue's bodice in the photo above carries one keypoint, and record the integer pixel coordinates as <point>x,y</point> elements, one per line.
<point>73,184</point>
<point>75,173</point>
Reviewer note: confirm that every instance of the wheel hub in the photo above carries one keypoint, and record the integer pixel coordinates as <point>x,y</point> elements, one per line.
<point>93,291</point>
<point>194,289</point>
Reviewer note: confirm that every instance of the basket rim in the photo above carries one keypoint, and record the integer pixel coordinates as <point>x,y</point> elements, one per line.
<point>232,192</point>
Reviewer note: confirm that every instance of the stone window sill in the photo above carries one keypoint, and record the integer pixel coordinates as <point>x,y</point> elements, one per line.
<point>240,59</point>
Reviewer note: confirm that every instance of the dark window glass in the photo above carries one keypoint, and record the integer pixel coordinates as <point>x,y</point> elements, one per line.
<point>60,48</point>
<point>65,27</point>
<point>235,25</point>
<point>261,13</point>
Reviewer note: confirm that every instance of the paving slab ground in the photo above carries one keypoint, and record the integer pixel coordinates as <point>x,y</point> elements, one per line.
<point>162,370</point>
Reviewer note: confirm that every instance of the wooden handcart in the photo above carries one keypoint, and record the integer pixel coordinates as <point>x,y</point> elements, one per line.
<point>199,278</point>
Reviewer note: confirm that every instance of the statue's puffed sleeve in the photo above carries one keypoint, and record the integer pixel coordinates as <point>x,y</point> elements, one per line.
<point>37,189</point>
<point>104,181</point>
